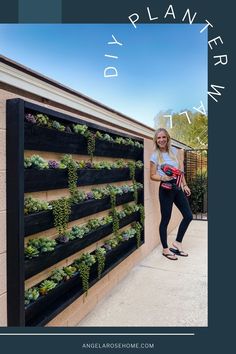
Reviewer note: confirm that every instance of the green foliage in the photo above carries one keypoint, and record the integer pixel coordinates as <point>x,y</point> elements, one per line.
<point>114,213</point>
<point>84,271</point>
<point>138,228</point>
<point>132,170</point>
<point>91,144</point>
<point>84,264</point>
<point>100,254</point>
<point>198,186</point>
<point>194,134</point>
<point>32,205</point>
<point>72,179</point>
<point>135,186</point>
<point>142,214</point>
<point>61,212</point>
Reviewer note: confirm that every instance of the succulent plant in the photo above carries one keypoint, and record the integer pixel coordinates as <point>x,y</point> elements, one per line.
<point>87,259</point>
<point>31,252</point>
<point>53,164</point>
<point>30,118</point>
<point>69,271</point>
<point>42,119</point>
<point>35,161</point>
<point>39,245</point>
<point>100,254</point>
<point>77,232</point>
<point>80,129</point>
<point>32,205</point>
<point>58,275</point>
<point>31,295</point>
<point>46,286</point>
<point>56,125</point>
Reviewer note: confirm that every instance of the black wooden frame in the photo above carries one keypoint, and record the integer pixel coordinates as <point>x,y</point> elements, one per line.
<point>48,179</point>
<point>19,226</point>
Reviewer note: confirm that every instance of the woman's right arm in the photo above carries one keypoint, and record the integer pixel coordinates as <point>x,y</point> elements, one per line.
<point>155,176</point>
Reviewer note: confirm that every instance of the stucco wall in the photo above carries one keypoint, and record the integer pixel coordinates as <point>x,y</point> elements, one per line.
<point>75,312</point>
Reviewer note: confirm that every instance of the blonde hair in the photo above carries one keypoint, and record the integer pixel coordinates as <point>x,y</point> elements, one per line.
<point>169,146</point>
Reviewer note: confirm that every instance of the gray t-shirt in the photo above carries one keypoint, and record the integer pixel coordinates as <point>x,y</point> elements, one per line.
<point>166,160</point>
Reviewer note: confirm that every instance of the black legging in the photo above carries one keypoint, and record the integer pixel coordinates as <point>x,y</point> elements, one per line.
<point>167,198</point>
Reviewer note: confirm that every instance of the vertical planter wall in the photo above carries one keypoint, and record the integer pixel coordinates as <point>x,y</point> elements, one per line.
<point>24,135</point>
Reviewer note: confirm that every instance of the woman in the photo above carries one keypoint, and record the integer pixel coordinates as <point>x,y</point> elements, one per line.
<point>166,154</point>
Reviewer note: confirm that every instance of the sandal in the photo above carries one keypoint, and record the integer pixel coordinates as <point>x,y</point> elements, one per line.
<point>178,252</point>
<point>170,256</point>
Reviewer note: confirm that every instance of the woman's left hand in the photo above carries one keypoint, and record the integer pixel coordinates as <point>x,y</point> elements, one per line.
<point>187,190</point>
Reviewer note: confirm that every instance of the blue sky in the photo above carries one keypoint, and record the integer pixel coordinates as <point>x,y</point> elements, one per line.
<point>160,66</point>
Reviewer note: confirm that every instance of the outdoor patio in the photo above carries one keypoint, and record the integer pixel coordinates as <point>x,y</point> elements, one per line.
<point>159,292</point>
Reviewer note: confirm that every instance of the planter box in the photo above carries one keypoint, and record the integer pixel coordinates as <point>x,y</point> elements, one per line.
<point>41,221</point>
<point>45,139</point>
<point>45,308</point>
<point>62,251</point>
<point>41,180</point>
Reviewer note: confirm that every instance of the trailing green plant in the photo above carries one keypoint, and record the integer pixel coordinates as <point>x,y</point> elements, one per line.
<point>61,212</point>
<point>114,213</point>
<point>91,144</point>
<point>72,179</point>
<point>32,205</point>
<point>135,186</point>
<point>132,170</point>
<point>100,254</point>
<point>84,264</point>
<point>142,214</point>
<point>84,271</point>
<point>138,228</point>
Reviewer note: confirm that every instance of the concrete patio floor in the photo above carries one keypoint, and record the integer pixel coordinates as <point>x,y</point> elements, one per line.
<point>158,292</point>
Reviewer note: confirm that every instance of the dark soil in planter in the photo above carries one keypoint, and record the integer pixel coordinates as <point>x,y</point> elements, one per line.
<point>62,251</point>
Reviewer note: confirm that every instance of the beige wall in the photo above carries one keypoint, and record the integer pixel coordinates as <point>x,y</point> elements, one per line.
<point>75,312</point>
